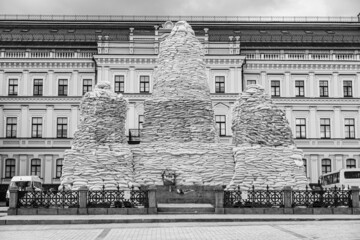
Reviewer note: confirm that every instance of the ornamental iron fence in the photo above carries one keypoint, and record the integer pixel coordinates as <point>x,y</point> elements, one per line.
<point>322,198</point>
<point>117,198</point>
<point>254,198</point>
<point>48,199</point>
<point>298,198</point>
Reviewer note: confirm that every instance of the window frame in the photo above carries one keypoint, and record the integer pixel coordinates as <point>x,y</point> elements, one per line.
<point>324,89</point>
<point>38,126</point>
<point>11,167</point>
<point>144,84</point>
<point>325,165</point>
<point>349,128</point>
<point>87,87</point>
<point>348,165</point>
<point>219,84</point>
<point>58,166</point>
<point>119,83</point>
<point>12,126</point>
<point>37,167</point>
<point>275,88</point>
<point>38,89</point>
<point>299,88</point>
<point>62,87</point>
<point>220,121</point>
<point>347,89</point>
<point>63,127</point>
<point>13,89</point>
<point>300,128</point>
<point>325,128</point>
<point>247,82</point>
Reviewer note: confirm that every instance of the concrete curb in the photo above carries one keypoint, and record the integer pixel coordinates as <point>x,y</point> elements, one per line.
<point>165,220</point>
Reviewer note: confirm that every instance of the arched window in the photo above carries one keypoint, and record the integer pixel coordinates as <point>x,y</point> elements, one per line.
<point>350,163</point>
<point>35,167</point>
<point>305,166</point>
<point>59,165</point>
<point>9,168</point>
<point>325,165</point>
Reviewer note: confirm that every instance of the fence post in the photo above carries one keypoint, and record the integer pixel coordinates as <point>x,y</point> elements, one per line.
<point>83,196</point>
<point>219,200</point>
<point>355,199</point>
<point>287,198</point>
<point>152,200</point>
<point>14,195</point>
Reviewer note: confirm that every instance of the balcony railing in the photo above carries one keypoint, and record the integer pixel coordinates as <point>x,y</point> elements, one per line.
<point>35,142</point>
<point>46,54</point>
<point>304,56</point>
<point>119,18</point>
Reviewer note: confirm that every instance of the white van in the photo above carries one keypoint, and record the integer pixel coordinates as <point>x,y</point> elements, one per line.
<point>24,183</point>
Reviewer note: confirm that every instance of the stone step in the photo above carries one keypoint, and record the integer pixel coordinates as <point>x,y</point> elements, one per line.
<point>185,208</point>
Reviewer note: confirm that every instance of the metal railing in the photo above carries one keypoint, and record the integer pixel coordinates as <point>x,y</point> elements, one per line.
<point>110,18</point>
<point>275,198</point>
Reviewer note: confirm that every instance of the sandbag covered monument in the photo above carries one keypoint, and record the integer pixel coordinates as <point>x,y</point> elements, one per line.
<point>179,133</point>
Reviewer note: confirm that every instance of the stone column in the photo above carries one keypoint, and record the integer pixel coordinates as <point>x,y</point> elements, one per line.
<point>311,86</point>
<point>230,83</point>
<point>74,120</point>
<point>313,128</point>
<point>219,200</point>
<point>99,74</point>
<point>3,86</point>
<point>106,74</point>
<point>337,123</point>
<point>335,85</point>
<point>51,85</point>
<point>24,127</point>
<point>25,84</point>
<point>152,200</point>
<point>3,123</point>
<point>48,168</point>
<point>75,85</point>
<point>132,81</point>
<point>287,88</point>
<point>50,123</point>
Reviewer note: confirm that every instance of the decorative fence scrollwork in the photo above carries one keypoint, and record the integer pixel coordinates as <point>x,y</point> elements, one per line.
<point>48,199</point>
<point>254,198</point>
<point>322,198</point>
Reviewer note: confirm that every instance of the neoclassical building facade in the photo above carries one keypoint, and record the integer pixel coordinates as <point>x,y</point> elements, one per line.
<point>309,65</point>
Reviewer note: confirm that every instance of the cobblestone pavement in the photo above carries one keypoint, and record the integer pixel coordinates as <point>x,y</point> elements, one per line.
<point>339,230</point>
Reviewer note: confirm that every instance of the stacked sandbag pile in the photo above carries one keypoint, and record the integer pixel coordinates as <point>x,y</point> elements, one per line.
<point>98,156</point>
<point>260,166</point>
<point>265,152</point>
<point>193,163</point>
<point>180,109</point>
<point>256,120</point>
<point>102,118</point>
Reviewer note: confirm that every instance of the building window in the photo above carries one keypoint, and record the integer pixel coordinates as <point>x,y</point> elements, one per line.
<point>35,167</point>
<point>349,128</point>
<point>59,165</point>
<point>36,127</point>
<point>325,166</point>
<point>11,127</point>
<point>38,87</point>
<point>300,127</point>
<point>324,88</point>
<point>347,89</point>
<point>9,168</point>
<point>13,87</point>
<point>219,84</point>
<point>141,121</point>
<point>275,88</point>
<point>250,82</point>
<point>63,87</point>
<point>61,130</point>
<point>299,88</point>
<point>221,124</point>
<point>87,85</point>
<point>144,84</point>
<point>350,163</point>
<point>325,128</point>
<point>305,166</point>
<point>119,83</point>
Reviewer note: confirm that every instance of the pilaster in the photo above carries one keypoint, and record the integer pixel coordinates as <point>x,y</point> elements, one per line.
<point>288,113</point>
<point>75,84</point>
<point>311,86</point>
<point>25,122</point>
<point>50,123</point>
<point>48,168</point>
<point>230,82</point>
<point>313,129</point>
<point>238,80</point>
<point>2,84</point>
<point>337,125</point>
<point>25,84</point>
<point>99,74</point>
<point>132,81</point>
<point>73,123</point>
<point>338,162</point>
<point>2,124</point>
<point>314,169</point>
<point>106,74</point>
<point>285,90</point>
<point>334,87</point>
<point>50,85</point>
<point>23,165</point>
<point>264,82</point>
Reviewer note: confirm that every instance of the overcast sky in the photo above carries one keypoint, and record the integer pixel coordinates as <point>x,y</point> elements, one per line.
<point>184,7</point>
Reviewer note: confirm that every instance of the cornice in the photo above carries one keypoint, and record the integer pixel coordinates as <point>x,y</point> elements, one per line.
<point>318,101</point>
<point>44,100</point>
<point>297,65</point>
<point>46,64</point>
